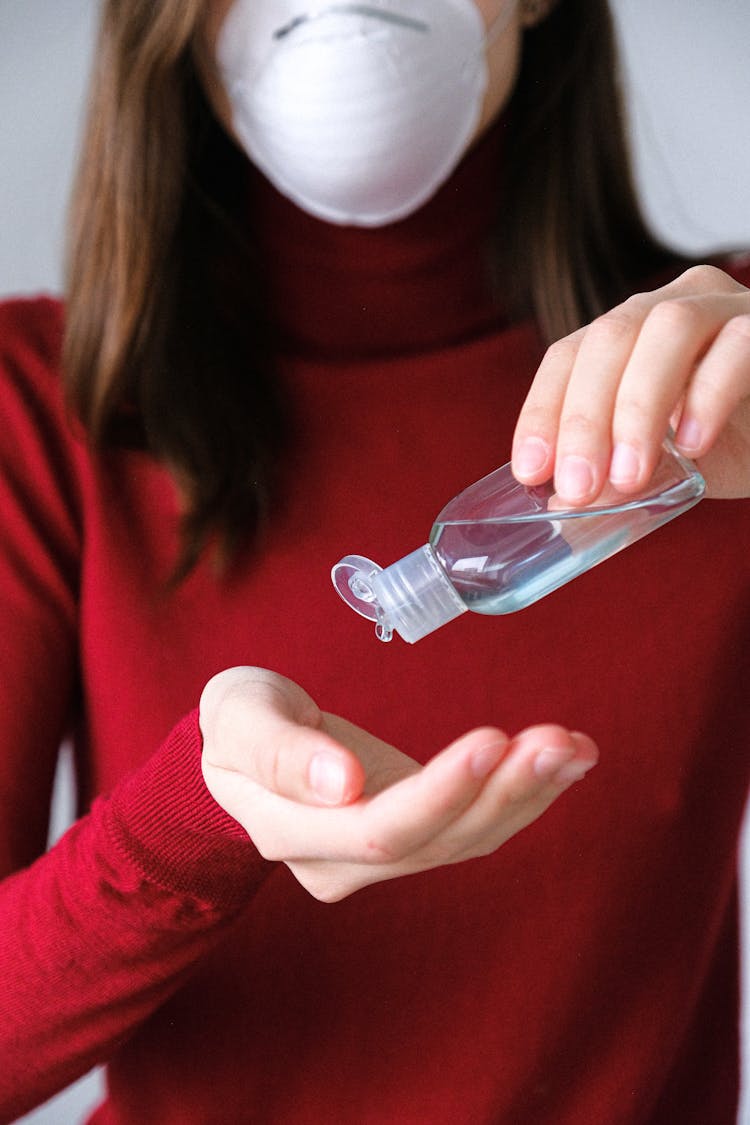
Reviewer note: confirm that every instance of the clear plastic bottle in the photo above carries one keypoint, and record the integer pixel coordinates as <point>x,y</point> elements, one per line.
<point>499,546</point>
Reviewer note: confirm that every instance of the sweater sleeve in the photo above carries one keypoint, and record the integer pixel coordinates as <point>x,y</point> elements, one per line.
<point>99,930</point>
<point>102,928</point>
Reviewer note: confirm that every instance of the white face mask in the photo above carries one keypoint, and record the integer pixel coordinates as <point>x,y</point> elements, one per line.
<point>356,112</point>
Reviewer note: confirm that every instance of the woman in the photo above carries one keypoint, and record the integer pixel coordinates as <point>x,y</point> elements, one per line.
<point>253,386</point>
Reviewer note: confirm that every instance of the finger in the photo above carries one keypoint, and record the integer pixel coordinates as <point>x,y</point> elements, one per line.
<point>720,383</point>
<point>632,366</point>
<point>548,753</point>
<point>535,436</point>
<point>565,425</point>
<point>405,818</point>
<point>268,729</point>
<point>701,279</point>
<point>381,829</point>
<point>674,336</point>
<point>510,784</point>
<point>583,453</point>
<point>383,764</point>
<point>534,770</point>
<point>539,766</point>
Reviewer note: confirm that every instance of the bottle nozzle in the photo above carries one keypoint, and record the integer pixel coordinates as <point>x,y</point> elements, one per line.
<point>412,597</point>
<point>353,579</point>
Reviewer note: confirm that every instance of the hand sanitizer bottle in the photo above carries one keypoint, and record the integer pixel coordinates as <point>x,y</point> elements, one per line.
<point>499,546</point>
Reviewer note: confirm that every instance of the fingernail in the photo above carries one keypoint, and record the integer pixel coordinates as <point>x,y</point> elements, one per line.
<point>550,761</point>
<point>574,771</point>
<point>689,435</point>
<point>485,760</point>
<point>626,464</point>
<point>327,778</point>
<point>556,765</point>
<point>531,456</point>
<point>575,478</point>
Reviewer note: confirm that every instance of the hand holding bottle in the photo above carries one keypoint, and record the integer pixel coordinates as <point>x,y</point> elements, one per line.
<point>604,397</point>
<point>343,809</point>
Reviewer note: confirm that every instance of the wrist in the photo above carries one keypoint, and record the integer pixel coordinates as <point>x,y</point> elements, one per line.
<point>176,834</point>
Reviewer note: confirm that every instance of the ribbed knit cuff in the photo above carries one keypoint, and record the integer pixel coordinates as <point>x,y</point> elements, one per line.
<point>172,829</point>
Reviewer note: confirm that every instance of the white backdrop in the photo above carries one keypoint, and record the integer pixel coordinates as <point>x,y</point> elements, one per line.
<point>688,83</point>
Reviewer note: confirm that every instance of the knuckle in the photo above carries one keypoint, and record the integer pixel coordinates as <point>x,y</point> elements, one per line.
<point>577,427</point>
<point>706,401</point>
<point>708,390</point>
<point>705,277</point>
<point>738,329</point>
<point>674,316</point>
<point>515,800</point>
<point>634,412</point>
<point>638,304</point>
<point>615,326</point>
<point>563,352</point>
<point>216,691</point>
<point>535,418</point>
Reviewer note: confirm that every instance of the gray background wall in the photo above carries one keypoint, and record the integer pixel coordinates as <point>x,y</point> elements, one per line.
<point>688,83</point>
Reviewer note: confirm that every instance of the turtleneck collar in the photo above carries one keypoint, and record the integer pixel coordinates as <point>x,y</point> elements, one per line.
<point>421,283</point>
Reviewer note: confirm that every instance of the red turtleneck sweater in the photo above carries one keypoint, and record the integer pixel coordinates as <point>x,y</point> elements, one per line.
<point>586,974</point>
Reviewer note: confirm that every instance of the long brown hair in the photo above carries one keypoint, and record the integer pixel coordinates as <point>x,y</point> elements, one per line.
<point>573,241</point>
<point>166,347</point>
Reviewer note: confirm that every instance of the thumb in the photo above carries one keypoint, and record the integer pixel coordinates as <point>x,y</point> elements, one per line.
<point>265,727</point>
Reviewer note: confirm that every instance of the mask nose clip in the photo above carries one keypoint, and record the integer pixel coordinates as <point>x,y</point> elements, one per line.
<point>354,10</point>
